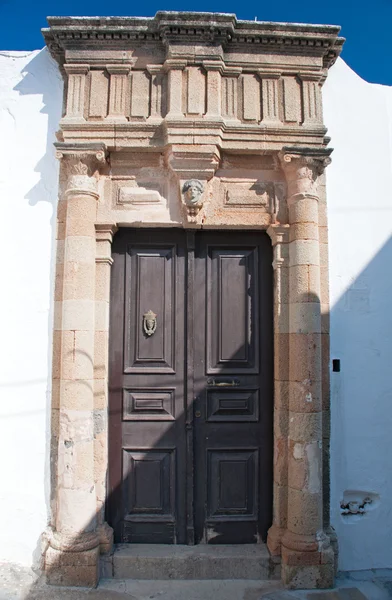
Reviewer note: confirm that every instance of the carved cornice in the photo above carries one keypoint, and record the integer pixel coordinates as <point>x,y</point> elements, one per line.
<point>190,27</point>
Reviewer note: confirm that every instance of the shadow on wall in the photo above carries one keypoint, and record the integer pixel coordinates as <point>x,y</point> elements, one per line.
<point>361,405</point>
<point>41,77</point>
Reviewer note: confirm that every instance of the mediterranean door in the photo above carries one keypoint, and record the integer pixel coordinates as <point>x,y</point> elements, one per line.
<point>190,389</point>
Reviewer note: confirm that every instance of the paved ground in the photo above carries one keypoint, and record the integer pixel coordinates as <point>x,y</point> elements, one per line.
<point>20,584</point>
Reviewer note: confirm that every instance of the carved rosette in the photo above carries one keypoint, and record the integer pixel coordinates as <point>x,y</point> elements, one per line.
<point>302,168</point>
<point>81,165</point>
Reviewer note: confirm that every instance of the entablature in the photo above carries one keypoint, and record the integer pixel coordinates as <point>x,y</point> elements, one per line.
<point>192,78</point>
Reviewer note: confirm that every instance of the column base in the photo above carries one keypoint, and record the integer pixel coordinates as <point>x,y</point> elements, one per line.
<point>73,561</point>
<point>79,569</point>
<point>274,540</point>
<point>308,562</point>
<point>308,577</point>
<point>106,536</point>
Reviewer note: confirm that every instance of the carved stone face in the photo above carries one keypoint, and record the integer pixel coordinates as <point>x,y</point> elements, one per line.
<point>192,190</point>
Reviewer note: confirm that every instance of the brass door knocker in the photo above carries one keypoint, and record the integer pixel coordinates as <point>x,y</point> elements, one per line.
<point>149,323</point>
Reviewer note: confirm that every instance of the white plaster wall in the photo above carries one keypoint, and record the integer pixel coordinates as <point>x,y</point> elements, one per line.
<point>30,107</point>
<point>359,118</point>
<point>359,193</point>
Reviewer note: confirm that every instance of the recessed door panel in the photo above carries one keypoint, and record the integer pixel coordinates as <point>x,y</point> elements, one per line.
<point>150,286</point>
<point>232,285</point>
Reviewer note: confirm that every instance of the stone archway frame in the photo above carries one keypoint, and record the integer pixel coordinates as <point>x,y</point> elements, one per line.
<point>193,100</point>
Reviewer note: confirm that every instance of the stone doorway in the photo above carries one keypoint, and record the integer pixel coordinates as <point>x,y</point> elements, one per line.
<point>199,122</point>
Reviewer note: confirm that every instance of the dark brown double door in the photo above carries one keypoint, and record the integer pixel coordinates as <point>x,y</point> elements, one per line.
<point>190,390</point>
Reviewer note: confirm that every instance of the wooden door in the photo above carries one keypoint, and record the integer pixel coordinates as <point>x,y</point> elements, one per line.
<point>146,388</point>
<point>190,390</point>
<point>233,395</point>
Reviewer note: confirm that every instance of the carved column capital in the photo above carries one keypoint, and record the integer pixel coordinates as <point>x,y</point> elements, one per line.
<point>302,167</point>
<point>81,166</point>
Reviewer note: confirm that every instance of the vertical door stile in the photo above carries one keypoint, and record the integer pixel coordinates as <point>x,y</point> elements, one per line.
<point>190,274</point>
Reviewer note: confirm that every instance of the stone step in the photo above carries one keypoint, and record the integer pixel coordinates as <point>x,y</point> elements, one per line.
<point>156,561</point>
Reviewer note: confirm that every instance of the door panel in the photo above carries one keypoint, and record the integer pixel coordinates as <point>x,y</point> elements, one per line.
<point>232,292</point>
<point>147,427</point>
<point>190,423</point>
<point>233,395</point>
<point>150,285</point>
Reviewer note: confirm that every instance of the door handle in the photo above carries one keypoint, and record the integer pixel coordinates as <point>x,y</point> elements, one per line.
<point>223,382</point>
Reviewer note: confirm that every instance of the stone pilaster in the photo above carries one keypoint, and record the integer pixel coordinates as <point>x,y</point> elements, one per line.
<point>103,262</point>
<point>311,99</point>
<point>307,557</point>
<point>72,555</point>
<point>279,235</point>
<point>174,68</point>
<point>119,91</point>
<point>270,97</point>
<point>214,88</point>
<point>76,91</point>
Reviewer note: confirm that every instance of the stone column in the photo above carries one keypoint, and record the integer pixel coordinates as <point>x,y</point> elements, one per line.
<point>72,555</point>
<point>307,557</point>
<point>279,235</point>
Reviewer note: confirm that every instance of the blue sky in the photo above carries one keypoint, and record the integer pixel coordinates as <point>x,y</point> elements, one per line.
<point>365,25</point>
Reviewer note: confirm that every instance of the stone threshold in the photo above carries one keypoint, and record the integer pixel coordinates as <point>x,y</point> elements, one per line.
<point>163,562</point>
